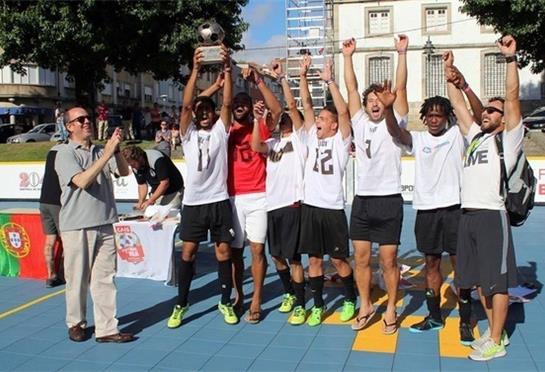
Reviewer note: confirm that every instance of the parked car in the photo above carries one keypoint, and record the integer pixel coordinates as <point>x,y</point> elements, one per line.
<point>535,120</point>
<point>39,133</point>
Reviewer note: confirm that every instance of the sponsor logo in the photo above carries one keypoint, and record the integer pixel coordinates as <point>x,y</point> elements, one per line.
<point>128,244</point>
<point>30,181</point>
<point>426,150</point>
<point>15,239</point>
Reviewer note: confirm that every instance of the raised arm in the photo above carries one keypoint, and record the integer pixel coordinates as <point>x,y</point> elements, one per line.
<point>187,110</point>
<point>455,96</point>
<point>512,116</point>
<point>343,117</point>
<point>354,99</point>
<point>257,144</point>
<point>308,110</point>
<point>225,113</point>
<point>271,101</point>
<point>288,96</point>
<point>388,99</point>
<point>460,82</point>
<point>214,88</point>
<point>401,105</point>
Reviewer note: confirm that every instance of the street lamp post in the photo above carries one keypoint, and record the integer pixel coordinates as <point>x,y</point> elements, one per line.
<point>428,51</point>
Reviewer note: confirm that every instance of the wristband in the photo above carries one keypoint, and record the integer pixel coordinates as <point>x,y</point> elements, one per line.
<point>404,51</point>
<point>329,82</point>
<point>227,69</point>
<point>258,80</point>
<point>280,78</point>
<point>466,87</point>
<point>509,59</point>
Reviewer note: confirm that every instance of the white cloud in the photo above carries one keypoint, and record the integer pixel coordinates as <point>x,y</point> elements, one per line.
<point>259,13</point>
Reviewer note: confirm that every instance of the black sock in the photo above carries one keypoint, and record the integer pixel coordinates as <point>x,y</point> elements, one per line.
<point>317,288</point>
<point>225,276</point>
<point>185,276</point>
<point>433,301</point>
<point>299,289</point>
<point>464,305</point>
<point>285,278</point>
<point>349,290</point>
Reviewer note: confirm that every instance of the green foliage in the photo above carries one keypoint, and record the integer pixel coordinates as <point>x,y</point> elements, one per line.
<point>524,19</point>
<point>83,37</point>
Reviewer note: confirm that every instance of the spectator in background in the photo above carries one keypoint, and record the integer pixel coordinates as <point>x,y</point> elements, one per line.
<point>148,128</point>
<point>137,121</point>
<point>126,119</point>
<point>163,138</point>
<point>176,140</point>
<point>174,115</point>
<point>50,206</point>
<point>102,120</point>
<point>155,118</point>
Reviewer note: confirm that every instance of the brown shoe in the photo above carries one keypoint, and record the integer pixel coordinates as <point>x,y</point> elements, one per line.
<point>117,338</point>
<point>77,332</point>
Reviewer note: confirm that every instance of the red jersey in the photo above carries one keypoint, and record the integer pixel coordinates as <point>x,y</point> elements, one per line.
<point>102,112</point>
<point>247,168</point>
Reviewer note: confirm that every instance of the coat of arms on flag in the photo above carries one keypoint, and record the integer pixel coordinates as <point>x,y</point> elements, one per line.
<point>15,239</point>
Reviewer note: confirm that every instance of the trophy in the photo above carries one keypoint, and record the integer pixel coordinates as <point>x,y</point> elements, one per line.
<point>210,36</point>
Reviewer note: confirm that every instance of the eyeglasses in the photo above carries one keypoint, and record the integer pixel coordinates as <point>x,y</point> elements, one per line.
<point>491,109</point>
<point>80,119</point>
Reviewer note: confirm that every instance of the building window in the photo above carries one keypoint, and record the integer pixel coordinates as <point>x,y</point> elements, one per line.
<point>494,75</point>
<point>437,19</point>
<point>127,89</point>
<point>148,94</point>
<point>379,21</point>
<point>434,76</point>
<point>7,75</point>
<point>107,91</point>
<point>47,77</point>
<point>379,69</point>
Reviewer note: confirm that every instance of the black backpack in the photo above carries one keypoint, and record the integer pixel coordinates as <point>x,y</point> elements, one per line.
<point>518,188</point>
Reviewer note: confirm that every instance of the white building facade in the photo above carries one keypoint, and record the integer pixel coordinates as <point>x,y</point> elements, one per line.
<point>374,23</point>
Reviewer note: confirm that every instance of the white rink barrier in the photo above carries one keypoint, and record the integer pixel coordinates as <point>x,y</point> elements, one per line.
<point>23,180</point>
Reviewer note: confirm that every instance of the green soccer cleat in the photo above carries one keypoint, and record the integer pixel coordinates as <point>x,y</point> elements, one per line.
<point>287,303</point>
<point>316,314</point>
<point>177,316</point>
<point>228,312</point>
<point>348,311</point>
<point>298,316</point>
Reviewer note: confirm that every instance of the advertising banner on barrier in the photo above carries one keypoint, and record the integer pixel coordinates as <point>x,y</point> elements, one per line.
<point>24,181</point>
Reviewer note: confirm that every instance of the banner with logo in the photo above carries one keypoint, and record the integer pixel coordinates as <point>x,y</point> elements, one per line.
<point>21,245</point>
<point>144,249</point>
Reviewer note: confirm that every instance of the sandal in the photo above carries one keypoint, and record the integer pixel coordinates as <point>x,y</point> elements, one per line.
<point>362,321</point>
<point>253,317</point>
<point>389,328</point>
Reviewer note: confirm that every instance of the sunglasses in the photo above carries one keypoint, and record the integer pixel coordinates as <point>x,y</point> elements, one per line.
<point>490,110</point>
<point>81,119</point>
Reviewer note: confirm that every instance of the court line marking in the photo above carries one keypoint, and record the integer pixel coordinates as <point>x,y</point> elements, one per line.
<point>36,301</point>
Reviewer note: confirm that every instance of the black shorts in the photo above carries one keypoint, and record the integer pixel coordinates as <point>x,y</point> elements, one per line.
<point>377,219</point>
<point>485,254</point>
<point>436,230</point>
<point>323,232</point>
<point>198,219</point>
<point>283,228</point>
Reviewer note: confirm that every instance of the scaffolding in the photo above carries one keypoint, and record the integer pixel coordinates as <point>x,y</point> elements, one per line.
<point>309,30</point>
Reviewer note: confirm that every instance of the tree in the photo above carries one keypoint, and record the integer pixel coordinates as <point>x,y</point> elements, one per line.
<point>81,38</point>
<point>524,19</point>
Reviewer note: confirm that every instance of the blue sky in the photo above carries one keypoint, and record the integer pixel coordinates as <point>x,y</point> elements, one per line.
<point>267,29</point>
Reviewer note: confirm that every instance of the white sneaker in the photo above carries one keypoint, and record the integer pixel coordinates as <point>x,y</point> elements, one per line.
<point>489,350</point>
<point>478,343</point>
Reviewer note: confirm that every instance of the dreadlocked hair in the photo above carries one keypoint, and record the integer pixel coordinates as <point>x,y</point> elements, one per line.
<point>440,102</point>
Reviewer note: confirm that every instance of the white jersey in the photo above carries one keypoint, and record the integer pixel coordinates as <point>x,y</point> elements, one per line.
<point>482,174</point>
<point>438,168</point>
<point>206,160</point>
<point>285,167</point>
<point>324,170</point>
<point>378,156</point>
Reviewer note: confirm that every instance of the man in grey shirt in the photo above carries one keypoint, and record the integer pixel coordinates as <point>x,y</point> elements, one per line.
<point>87,213</point>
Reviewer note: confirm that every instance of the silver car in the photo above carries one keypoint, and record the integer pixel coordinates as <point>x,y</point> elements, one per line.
<point>39,133</point>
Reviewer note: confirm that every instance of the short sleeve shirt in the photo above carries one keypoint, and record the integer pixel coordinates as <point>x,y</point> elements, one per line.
<point>90,207</point>
<point>160,167</point>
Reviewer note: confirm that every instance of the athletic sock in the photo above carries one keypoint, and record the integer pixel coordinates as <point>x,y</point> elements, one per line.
<point>317,288</point>
<point>349,290</point>
<point>225,276</point>
<point>433,301</point>
<point>464,305</point>
<point>285,278</point>
<point>299,289</point>
<point>185,276</point>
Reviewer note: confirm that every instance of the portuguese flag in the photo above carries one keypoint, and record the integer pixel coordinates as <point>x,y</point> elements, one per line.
<point>21,244</point>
